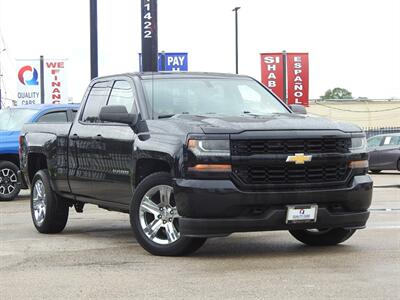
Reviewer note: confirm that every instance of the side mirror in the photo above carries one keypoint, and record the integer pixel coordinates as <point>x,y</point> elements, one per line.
<point>117,114</point>
<point>298,109</point>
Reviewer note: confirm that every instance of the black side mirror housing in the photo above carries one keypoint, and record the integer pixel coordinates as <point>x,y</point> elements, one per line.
<point>298,109</point>
<point>117,114</point>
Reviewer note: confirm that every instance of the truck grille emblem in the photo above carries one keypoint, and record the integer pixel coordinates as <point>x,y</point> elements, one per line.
<point>299,158</point>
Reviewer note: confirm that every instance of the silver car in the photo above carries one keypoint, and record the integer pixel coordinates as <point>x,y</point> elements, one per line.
<point>384,152</point>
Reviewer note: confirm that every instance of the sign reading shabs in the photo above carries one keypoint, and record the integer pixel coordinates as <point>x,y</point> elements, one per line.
<point>28,81</point>
<point>170,61</point>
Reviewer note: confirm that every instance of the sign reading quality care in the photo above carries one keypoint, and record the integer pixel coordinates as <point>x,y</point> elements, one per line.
<point>28,88</point>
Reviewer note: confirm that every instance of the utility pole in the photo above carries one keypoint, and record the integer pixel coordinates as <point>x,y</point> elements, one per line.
<point>149,36</point>
<point>236,38</point>
<point>94,69</point>
<point>41,80</point>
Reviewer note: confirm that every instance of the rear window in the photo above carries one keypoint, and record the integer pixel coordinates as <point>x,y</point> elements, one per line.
<point>54,117</point>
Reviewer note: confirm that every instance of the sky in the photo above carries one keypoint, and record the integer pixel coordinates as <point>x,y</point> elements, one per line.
<point>354,44</point>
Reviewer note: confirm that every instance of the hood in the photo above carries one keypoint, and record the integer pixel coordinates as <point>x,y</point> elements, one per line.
<point>237,124</point>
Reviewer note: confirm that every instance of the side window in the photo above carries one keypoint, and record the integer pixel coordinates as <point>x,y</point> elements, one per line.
<point>54,117</point>
<point>374,142</point>
<point>122,94</point>
<point>96,99</point>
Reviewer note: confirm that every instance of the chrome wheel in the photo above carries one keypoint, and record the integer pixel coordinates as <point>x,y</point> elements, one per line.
<point>39,202</point>
<point>8,181</point>
<point>158,215</point>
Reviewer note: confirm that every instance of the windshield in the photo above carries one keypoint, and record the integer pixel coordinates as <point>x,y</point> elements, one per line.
<point>12,119</point>
<point>197,96</point>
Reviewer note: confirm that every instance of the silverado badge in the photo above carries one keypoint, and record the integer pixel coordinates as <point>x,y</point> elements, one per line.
<point>299,158</point>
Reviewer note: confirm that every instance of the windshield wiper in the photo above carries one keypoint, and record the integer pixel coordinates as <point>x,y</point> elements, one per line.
<point>166,116</point>
<point>171,115</point>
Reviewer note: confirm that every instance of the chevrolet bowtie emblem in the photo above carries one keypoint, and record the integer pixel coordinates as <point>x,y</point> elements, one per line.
<point>299,158</point>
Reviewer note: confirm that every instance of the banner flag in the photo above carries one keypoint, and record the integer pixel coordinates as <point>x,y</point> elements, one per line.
<point>28,88</point>
<point>272,72</point>
<point>297,75</point>
<point>55,81</point>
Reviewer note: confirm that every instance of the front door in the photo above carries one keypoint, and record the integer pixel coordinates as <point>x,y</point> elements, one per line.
<point>117,140</point>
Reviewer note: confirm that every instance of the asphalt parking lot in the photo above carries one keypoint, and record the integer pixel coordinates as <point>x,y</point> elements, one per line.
<point>97,256</point>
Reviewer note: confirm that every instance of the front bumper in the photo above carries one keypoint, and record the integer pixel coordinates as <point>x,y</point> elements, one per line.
<point>218,207</point>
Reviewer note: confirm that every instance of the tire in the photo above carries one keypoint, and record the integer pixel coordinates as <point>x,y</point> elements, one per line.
<point>49,212</point>
<point>329,237</point>
<point>375,171</point>
<point>155,223</point>
<point>9,185</point>
<point>398,165</point>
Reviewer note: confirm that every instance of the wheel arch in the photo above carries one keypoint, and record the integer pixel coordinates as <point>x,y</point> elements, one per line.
<point>36,162</point>
<point>148,166</point>
<point>14,158</point>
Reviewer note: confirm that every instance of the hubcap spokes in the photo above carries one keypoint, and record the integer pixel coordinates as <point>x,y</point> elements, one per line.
<point>158,215</point>
<point>8,181</point>
<point>39,202</point>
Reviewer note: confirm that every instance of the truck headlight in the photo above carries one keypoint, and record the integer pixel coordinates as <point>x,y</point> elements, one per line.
<point>209,147</point>
<point>358,144</point>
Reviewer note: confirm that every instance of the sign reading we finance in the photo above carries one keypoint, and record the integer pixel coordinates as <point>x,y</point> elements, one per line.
<point>290,84</point>
<point>55,81</point>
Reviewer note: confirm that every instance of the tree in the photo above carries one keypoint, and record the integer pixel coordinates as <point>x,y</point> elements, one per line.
<point>337,93</point>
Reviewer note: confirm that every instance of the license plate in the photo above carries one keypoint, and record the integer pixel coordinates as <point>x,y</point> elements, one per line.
<point>301,213</point>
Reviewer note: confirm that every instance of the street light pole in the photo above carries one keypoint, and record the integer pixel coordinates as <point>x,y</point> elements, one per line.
<point>94,71</point>
<point>236,38</point>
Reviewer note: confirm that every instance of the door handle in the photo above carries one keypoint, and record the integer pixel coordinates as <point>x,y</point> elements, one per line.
<point>98,138</point>
<point>74,137</point>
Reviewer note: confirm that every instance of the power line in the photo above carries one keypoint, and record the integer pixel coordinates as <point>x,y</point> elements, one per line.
<point>358,111</point>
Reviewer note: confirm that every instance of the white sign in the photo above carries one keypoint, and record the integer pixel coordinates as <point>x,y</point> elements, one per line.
<point>28,88</point>
<point>55,81</point>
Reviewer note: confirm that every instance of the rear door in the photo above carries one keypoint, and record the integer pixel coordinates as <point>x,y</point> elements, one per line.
<point>116,141</point>
<point>86,153</point>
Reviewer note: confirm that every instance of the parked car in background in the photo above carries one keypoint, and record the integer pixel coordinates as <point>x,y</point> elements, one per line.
<point>384,152</point>
<point>11,122</point>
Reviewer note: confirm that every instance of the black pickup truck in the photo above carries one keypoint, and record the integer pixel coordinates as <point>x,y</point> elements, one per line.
<point>197,155</point>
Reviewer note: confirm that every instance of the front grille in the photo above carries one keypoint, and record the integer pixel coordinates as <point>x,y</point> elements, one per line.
<point>292,174</point>
<point>290,146</point>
